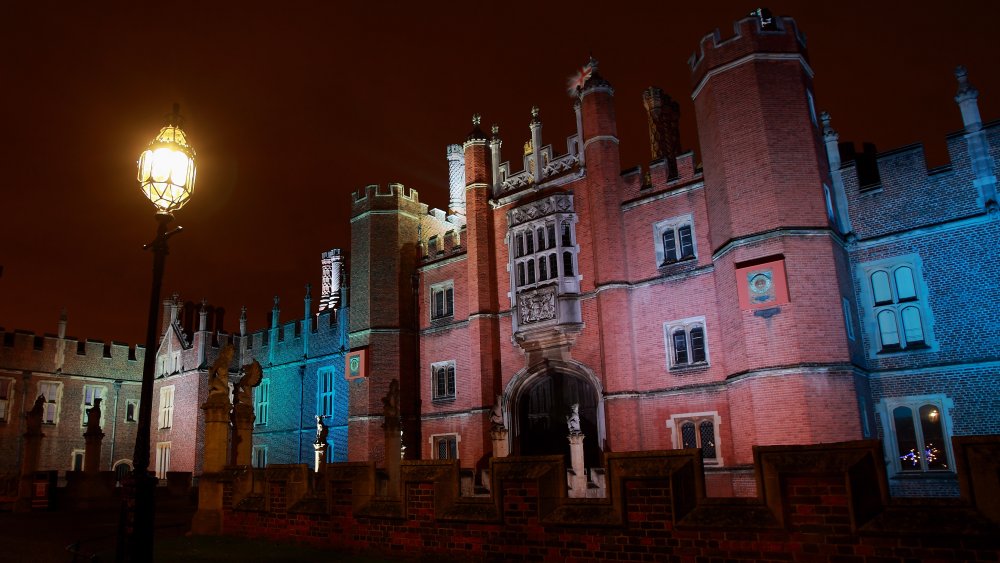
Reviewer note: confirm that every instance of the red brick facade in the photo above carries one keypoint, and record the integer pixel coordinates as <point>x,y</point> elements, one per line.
<point>636,312</point>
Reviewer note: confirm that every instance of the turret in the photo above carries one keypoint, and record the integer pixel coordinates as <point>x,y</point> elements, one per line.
<point>979,153</point>
<point>836,192</point>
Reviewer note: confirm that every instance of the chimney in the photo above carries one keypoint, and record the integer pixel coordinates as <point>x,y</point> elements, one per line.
<point>333,272</point>
<point>664,132</point>
<point>456,180</point>
<point>975,138</point>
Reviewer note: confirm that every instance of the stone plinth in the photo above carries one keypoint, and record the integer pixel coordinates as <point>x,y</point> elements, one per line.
<point>29,465</point>
<point>319,463</point>
<point>243,420</point>
<point>578,473</point>
<point>501,448</point>
<point>208,519</point>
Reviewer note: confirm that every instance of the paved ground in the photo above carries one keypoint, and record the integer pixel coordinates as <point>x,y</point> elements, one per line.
<point>90,536</point>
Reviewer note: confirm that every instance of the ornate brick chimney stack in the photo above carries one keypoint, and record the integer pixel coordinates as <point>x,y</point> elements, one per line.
<point>333,274</point>
<point>664,132</point>
<point>456,180</point>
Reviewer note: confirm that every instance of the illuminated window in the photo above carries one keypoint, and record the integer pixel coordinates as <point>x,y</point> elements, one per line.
<point>442,300</point>
<point>162,459</point>
<point>51,391</point>
<point>77,460</point>
<point>697,430</point>
<point>686,343</point>
<point>262,401</point>
<point>131,410</point>
<point>6,391</point>
<point>443,380</point>
<point>325,389</point>
<point>166,406</point>
<point>918,433</point>
<point>445,446</point>
<point>674,240</point>
<point>898,316</point>
<point>90,393</point>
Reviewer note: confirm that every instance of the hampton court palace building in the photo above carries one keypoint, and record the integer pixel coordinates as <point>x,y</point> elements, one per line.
<point>787,289</point>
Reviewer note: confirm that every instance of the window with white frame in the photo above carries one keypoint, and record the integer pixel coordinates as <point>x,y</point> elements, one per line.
<point>131,410</point>
<point>260,457</point>
<point>161,365</point>
<point>175,362</point>
<point>51,391</point>
<point>442,300</point>
<point>325,392</point>
<point>686,343</point>
<point>166,406</point>
<point>6,392</point>
<point>698,430</point>
<point>848,318</point>
<point>262,401</point>
<point>674,240</point>
<point>445,446</point>
<point>897,300</point>
<point>90,394</point>
<point>443,380</point>
<point>918,432</point>
<point>162,459</point>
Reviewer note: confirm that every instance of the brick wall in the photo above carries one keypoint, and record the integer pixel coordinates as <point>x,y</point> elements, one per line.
<point>827,502</point>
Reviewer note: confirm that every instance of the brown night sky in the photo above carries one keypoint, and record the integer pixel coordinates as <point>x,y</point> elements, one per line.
<point>291,109</point>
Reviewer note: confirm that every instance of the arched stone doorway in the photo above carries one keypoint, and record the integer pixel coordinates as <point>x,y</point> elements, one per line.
<point>541,401</point>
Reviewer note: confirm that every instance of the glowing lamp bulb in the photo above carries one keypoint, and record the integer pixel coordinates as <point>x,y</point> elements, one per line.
<point>166,168</point>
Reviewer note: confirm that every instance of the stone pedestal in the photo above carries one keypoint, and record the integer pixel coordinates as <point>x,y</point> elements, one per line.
<point>393,454</point>
<point>29,465</point>
<point>578,473</point>
<point>319,464</point>
<point>92,452</point>
<point>501,448</point>
<point>243,420</point>
<point>208,519</point>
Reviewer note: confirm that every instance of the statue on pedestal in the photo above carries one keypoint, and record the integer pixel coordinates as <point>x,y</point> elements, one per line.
<point>252,376</point>
<point>321,431</point>
<point>94,417</point>
<point>496,415</point>
<point>34,416</point>
<point>390,405</point>
<point>218,374</point>
<point>573,420</point>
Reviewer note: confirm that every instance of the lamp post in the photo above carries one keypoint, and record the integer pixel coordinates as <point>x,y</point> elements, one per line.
<point>166,175</point>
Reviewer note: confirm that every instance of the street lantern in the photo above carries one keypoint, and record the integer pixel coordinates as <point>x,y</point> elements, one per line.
<point>166,177</point>
<point>166,168</point>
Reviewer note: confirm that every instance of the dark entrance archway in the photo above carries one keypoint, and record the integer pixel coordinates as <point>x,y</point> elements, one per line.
<point>542,407</point>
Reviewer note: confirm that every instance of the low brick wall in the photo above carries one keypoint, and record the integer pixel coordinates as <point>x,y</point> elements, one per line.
<point>820,503</point>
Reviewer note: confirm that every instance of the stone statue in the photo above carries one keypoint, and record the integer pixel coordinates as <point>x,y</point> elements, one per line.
<point>218,374</point>
<point>573,420</point>
<point>94,417</point>
<point>34,416</point>
<point>496,416</point>
<point>390,404</point>
<point>321,431</point>
<point>252,376</point>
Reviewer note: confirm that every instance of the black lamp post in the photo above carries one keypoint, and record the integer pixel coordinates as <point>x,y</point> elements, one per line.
<point>166,176</point>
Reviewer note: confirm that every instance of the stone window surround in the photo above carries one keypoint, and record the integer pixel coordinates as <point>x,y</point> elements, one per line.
<point>6,385</point>
<point>262,402</point>
<point>685,324</point>
<point>166,418</point>
<point>864,273</point>
<point>435,438</point>
<point>435,396</point>
<point>53,407</point>
<point>448,310</point>
<point>162,459</point>
<point>675,422</point>
<point>889,442</point>
<point>674,224</point>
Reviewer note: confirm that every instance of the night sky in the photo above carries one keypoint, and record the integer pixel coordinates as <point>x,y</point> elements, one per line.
<point>291,109</point>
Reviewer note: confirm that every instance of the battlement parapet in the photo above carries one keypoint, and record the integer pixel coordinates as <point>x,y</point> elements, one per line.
<point>822,498</point>
<point>753,34</point>
<point>393,196</point>
<point>23,342</point>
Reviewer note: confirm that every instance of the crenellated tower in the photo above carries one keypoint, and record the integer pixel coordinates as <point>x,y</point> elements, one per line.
<point>781,271</point>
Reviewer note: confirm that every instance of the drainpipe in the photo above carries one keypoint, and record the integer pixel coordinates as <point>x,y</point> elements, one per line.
<point>114,422</point>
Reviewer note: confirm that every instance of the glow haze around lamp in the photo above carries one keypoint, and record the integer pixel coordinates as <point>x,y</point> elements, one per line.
<point>166,174</point>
